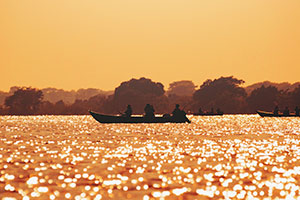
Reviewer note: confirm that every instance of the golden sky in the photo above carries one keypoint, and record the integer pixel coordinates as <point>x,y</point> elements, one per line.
<point>74,44</point>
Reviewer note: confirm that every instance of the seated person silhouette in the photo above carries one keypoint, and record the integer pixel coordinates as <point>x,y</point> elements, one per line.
<point>286,111</point>
<point>128,111</point>
<point>200,111</point>
<point>177,113</point>
<point>297,111</point>
<point>149,111</point>
<point>276,110</point>
<point>219,111</point>
<point>166,115</point>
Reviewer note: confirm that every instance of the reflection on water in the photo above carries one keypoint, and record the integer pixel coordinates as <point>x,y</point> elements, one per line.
<point>74,157</point>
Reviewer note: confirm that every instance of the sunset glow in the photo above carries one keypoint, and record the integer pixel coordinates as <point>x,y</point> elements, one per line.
<point>75,44</point>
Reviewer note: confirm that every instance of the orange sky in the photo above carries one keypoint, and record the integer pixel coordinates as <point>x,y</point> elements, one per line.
<point>74,44</point>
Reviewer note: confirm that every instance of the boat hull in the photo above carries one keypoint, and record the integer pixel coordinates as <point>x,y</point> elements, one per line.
<point>270,114</point>
<point>120,119</point>
<point>208,114</point>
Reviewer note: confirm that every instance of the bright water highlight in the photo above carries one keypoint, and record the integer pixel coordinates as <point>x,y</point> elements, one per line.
<point>74,157</point>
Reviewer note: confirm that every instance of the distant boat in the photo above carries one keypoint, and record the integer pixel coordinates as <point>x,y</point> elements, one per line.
<point>271,114</point>
<point>207,114</point>
<point>121,119</point>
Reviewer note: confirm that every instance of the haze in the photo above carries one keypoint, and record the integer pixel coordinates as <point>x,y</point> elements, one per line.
<point>75,44</point>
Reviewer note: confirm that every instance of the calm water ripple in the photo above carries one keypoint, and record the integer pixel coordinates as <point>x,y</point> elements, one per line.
<point>74,157</point>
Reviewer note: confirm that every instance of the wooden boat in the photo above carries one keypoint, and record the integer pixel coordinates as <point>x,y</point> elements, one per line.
<point>121,119</point>
<point>207,114</point>
<point>271,114</point>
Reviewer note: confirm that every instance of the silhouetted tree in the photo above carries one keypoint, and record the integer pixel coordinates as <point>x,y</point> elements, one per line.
<point>181,88</point>
<point>185,102</point>
<point>46,108</point>
<point>96,103</point>
<point>79,107</point>
<point>3,96</point>
<point>24,101</point>
<point>224,93</point>
<point>285,99</point>
<point>60,108</point>
<point>3,111</point>
<point>263,98</point>
<point>295,95</point>
<point>284,86</point>
<point>137,92</point>
<point>54,95</point>
<point>181,92</point>
<point>85,94</point>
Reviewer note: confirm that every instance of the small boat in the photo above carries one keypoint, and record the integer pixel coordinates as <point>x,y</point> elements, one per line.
<point>271,114</point>
<point>121,119</point>
<point>207,114</point>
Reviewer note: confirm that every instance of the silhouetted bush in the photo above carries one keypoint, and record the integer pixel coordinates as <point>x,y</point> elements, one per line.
<point>24,101</point>
<point>224,93</point>
<point>263,98</point>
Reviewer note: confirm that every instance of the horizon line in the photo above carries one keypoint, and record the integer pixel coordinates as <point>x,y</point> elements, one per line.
<point>109,90</point>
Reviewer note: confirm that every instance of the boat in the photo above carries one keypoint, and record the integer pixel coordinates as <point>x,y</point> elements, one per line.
<point>271,114</point>
<point>136,119</point>
<point>207,114</point>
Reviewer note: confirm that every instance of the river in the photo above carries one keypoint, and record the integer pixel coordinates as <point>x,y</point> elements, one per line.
<point>221,157</point>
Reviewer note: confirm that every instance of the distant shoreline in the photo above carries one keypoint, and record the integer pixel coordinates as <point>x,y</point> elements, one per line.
<point>224,93</point>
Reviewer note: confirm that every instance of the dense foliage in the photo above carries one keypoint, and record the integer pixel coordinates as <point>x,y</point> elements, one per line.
<point>138,92</point>
<point>24,101</point>
<point>225,93</point>
<point>263,98</point>
<point>181,88</point>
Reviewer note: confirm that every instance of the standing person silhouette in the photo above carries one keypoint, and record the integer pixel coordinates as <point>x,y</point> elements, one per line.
<point>286,111</point>
<point>200,111</point>
<point>276,110</point>
<point>149,111</point>
<point>297,111</point>
<point>219,111</point>
<point>128,111</point>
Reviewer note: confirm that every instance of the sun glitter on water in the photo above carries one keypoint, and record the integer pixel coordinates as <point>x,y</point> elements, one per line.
<point>74,157</point>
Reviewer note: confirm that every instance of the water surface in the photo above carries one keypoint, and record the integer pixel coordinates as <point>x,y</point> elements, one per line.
<point>75,157</point>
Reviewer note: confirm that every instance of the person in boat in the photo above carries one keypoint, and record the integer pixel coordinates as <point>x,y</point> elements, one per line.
<point>128,111</point>
<point>276,110</point>
<point>219,111</point>
<point>178,113</point>
<point>286,111</point>
<point>149,111</point>
<point>200,111</point>
<point>297,111</point>
<point>166,115</point>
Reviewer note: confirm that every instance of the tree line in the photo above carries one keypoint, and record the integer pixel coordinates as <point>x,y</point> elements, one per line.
<point>225,93</point>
